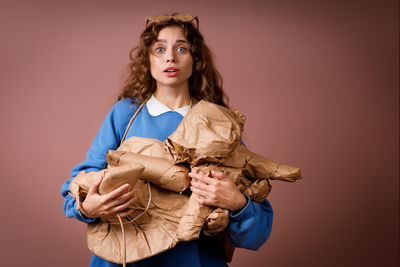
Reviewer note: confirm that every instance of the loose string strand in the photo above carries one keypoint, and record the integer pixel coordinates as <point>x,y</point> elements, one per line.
<point>147,207</point>
<point>123,229</point>
<point>123,243</point>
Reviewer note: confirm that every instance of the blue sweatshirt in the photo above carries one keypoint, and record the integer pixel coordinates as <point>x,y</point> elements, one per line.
<point>249,228</point>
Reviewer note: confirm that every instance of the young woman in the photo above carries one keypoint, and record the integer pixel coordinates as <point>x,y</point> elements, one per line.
<point>170,70</point>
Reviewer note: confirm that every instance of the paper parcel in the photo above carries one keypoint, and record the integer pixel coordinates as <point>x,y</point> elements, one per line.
<point>208,138</point>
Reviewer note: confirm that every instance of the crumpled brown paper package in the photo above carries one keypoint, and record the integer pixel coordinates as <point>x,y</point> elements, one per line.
<point>153,231</point>
<point>113,178</point>
<point>158,171</point>
<point>208,138</point>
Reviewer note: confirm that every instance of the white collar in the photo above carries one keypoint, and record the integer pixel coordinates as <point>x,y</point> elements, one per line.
<point>157,108</point>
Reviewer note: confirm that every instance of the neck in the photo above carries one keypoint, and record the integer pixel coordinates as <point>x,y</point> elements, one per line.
<point>173,97</point>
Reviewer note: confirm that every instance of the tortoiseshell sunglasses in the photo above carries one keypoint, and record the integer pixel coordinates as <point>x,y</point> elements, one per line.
<point>163,18</point>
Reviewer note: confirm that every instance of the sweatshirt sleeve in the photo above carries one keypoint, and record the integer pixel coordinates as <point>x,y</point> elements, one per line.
<point>108,137</point>
<point>251,227</point>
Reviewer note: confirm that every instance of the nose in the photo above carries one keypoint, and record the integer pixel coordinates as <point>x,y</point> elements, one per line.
<point>170,57</point>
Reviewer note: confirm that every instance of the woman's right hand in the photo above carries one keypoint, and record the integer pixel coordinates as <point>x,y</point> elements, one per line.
<point>108,205</point>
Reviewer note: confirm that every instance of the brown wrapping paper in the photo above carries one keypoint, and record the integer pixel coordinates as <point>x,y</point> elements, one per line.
<point>159,171</point>
<point>115,177</point>
<point>153,231</point>
<point>144,146</point>
<point>208,131</point>
<point>112,179</point>
<point>208,138</point>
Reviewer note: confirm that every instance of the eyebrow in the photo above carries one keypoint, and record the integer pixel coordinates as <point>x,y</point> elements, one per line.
<point>177,41</point>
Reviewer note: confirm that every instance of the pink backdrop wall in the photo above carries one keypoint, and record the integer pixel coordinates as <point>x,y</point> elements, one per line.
<point>317,80</point>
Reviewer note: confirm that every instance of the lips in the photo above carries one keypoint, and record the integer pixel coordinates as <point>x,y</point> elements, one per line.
<point>171,71</point>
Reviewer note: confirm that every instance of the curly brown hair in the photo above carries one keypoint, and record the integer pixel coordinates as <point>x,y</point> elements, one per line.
<point>205,82</point>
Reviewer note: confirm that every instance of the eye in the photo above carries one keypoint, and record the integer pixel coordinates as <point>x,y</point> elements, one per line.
<point>160,49</point>
<point>181,49</point>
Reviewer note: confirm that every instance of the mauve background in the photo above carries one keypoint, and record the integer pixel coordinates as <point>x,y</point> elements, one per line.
<point>317,80</point>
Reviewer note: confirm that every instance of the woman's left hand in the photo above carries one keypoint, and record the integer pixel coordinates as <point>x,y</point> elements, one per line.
<point>218,191</point>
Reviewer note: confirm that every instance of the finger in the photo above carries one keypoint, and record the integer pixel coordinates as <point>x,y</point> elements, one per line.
<point>197,196</point>
<point>218,175</point>
<point>116,193</point>
<point>126,213</point>
<point>125,205</point>
<point>199,192</point>
<point>202,178</point>
<point>122,199</point>
<point>95,186</point>
<point>199,185</point>
<point>205,201</point>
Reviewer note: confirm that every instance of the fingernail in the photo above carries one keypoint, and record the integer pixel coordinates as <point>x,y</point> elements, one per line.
<point>190,174</point>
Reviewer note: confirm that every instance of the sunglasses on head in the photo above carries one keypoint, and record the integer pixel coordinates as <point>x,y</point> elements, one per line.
<point>163,18</point>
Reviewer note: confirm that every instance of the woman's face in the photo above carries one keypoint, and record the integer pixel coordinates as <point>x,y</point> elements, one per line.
<point>171,63</point>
